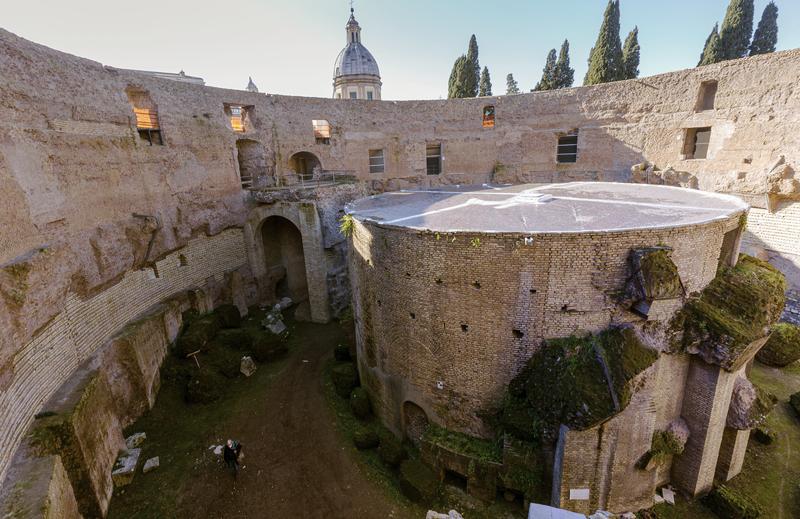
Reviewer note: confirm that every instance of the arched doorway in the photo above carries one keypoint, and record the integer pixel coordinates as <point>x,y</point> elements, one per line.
<point>415,422</point>
<point>305,163</point>
<point>283,253</point>
<point>252,161</point>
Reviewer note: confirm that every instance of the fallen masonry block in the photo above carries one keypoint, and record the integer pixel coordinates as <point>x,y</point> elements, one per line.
<point>125,467</point>
<point>248,366</point>
<point>135,440</point>
<point>150,465</point>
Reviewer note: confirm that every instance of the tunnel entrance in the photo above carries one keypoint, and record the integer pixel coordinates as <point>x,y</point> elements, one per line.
<point>416,421</point>
<point>305,163</point>
<point>283,253</point>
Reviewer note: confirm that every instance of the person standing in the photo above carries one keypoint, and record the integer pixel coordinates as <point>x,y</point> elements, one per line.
<point>231,453</point>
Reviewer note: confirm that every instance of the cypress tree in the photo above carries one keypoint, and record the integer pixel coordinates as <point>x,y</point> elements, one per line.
<point>472,57</point>
<point>712,52</point>
<point>460,77</point>
<point>565,75</point>
<point>736,29</point>
<point>630,55</point>
<point>511,85</point>
<point>548,81</point>
<point>605,60</point>
<point>766,36</point>
<point>485,88</point>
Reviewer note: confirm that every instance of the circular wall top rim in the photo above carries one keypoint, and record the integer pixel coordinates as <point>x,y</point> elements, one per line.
<point>562,208</point>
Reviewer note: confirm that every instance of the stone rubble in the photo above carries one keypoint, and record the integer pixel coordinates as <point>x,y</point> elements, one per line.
<point>274,318</point>
<point>125,467</point>
<point>135,440</point>
<point>452,514</point>
<point>150,465</point>
<point>247,366</point>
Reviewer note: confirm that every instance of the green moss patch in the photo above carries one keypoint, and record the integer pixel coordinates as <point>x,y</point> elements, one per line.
<point>577,381</point>
<point>794,401</point>
<point>734,310</point>
<point>663,445</point>
<point>477,448</point>
<point>783,346</point>
<point>365,438</point>
<point>731,504</point>
<point>345,379</point>
<point>657,274</point>
<point>359,403</point>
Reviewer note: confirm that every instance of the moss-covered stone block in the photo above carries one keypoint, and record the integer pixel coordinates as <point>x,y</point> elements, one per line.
<point>235,338</point>
<point>198,335</point>
<point>418,482</point>
<point>391,450</point>
<point>359,403</point>
<point>764,435</point>
<point>268,348</point>
<point>783,346</point>
<point>345,378</point>
<point>732,504</point>
<point>229,316</point>
<point>205,385</point>
<point>733,312</point>
<point>226,362</point>
<point>365,438</point>
<point>794,401</point>
<point>586,380</point>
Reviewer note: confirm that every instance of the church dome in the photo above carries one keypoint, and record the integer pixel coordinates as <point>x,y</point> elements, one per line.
<point>355,59</point>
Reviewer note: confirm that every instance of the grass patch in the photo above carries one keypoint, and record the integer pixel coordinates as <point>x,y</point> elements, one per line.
<point>480,449</point>
<point>180,433</point>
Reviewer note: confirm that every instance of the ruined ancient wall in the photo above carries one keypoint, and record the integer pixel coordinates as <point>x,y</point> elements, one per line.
<point>447,320</point>
<point>87,203</point>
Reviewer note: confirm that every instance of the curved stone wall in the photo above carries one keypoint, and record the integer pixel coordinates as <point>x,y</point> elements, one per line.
<point>446,320</point>
<point>89,205</point>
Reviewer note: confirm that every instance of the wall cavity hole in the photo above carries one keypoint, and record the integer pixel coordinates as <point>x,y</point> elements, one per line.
<point>182,261</point>
<point>464,328</point>
<point>438,281</point>
<point>533,291</point>
<point>413,315</point>
<point>517,334</point>
<point>379,302</point>
<point>475,284</point>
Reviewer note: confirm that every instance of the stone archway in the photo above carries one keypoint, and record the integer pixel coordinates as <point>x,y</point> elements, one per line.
<point>284,259</point>
<point>415,421</point>
<point>288,237</point>
<point>305,163</point>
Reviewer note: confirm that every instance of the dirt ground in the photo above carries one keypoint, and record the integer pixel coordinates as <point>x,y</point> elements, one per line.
<point>295,463</point>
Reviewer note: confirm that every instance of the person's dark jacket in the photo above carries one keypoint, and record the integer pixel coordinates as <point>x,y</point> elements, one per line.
<point>231,454</point>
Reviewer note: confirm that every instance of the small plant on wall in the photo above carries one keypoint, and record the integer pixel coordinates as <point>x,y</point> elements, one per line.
<point>346,225</point>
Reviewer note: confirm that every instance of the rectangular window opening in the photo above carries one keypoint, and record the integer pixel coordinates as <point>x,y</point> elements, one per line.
<point>707,96</point>
<point>376,161</point>
<point>353,95</point>
<point>696,143</point>
<point>322,131</point>
<point>433,159</point>
<point>488,116</point>
<point>567,149</point>
<point>238,116</point>
<point>146,113</point>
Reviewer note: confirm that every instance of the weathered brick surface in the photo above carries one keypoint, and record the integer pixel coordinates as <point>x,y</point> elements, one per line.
<point>46,362</point>
<point>443,317</point>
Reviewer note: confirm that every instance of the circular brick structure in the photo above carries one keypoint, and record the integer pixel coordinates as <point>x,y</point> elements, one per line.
<point>454,289</point>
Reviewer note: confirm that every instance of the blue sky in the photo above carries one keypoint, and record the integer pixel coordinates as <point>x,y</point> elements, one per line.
<point>289,46</point>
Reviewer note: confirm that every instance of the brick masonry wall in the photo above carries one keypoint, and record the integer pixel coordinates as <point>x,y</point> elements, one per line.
<point>46,362</point>
<point>439,321</point>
